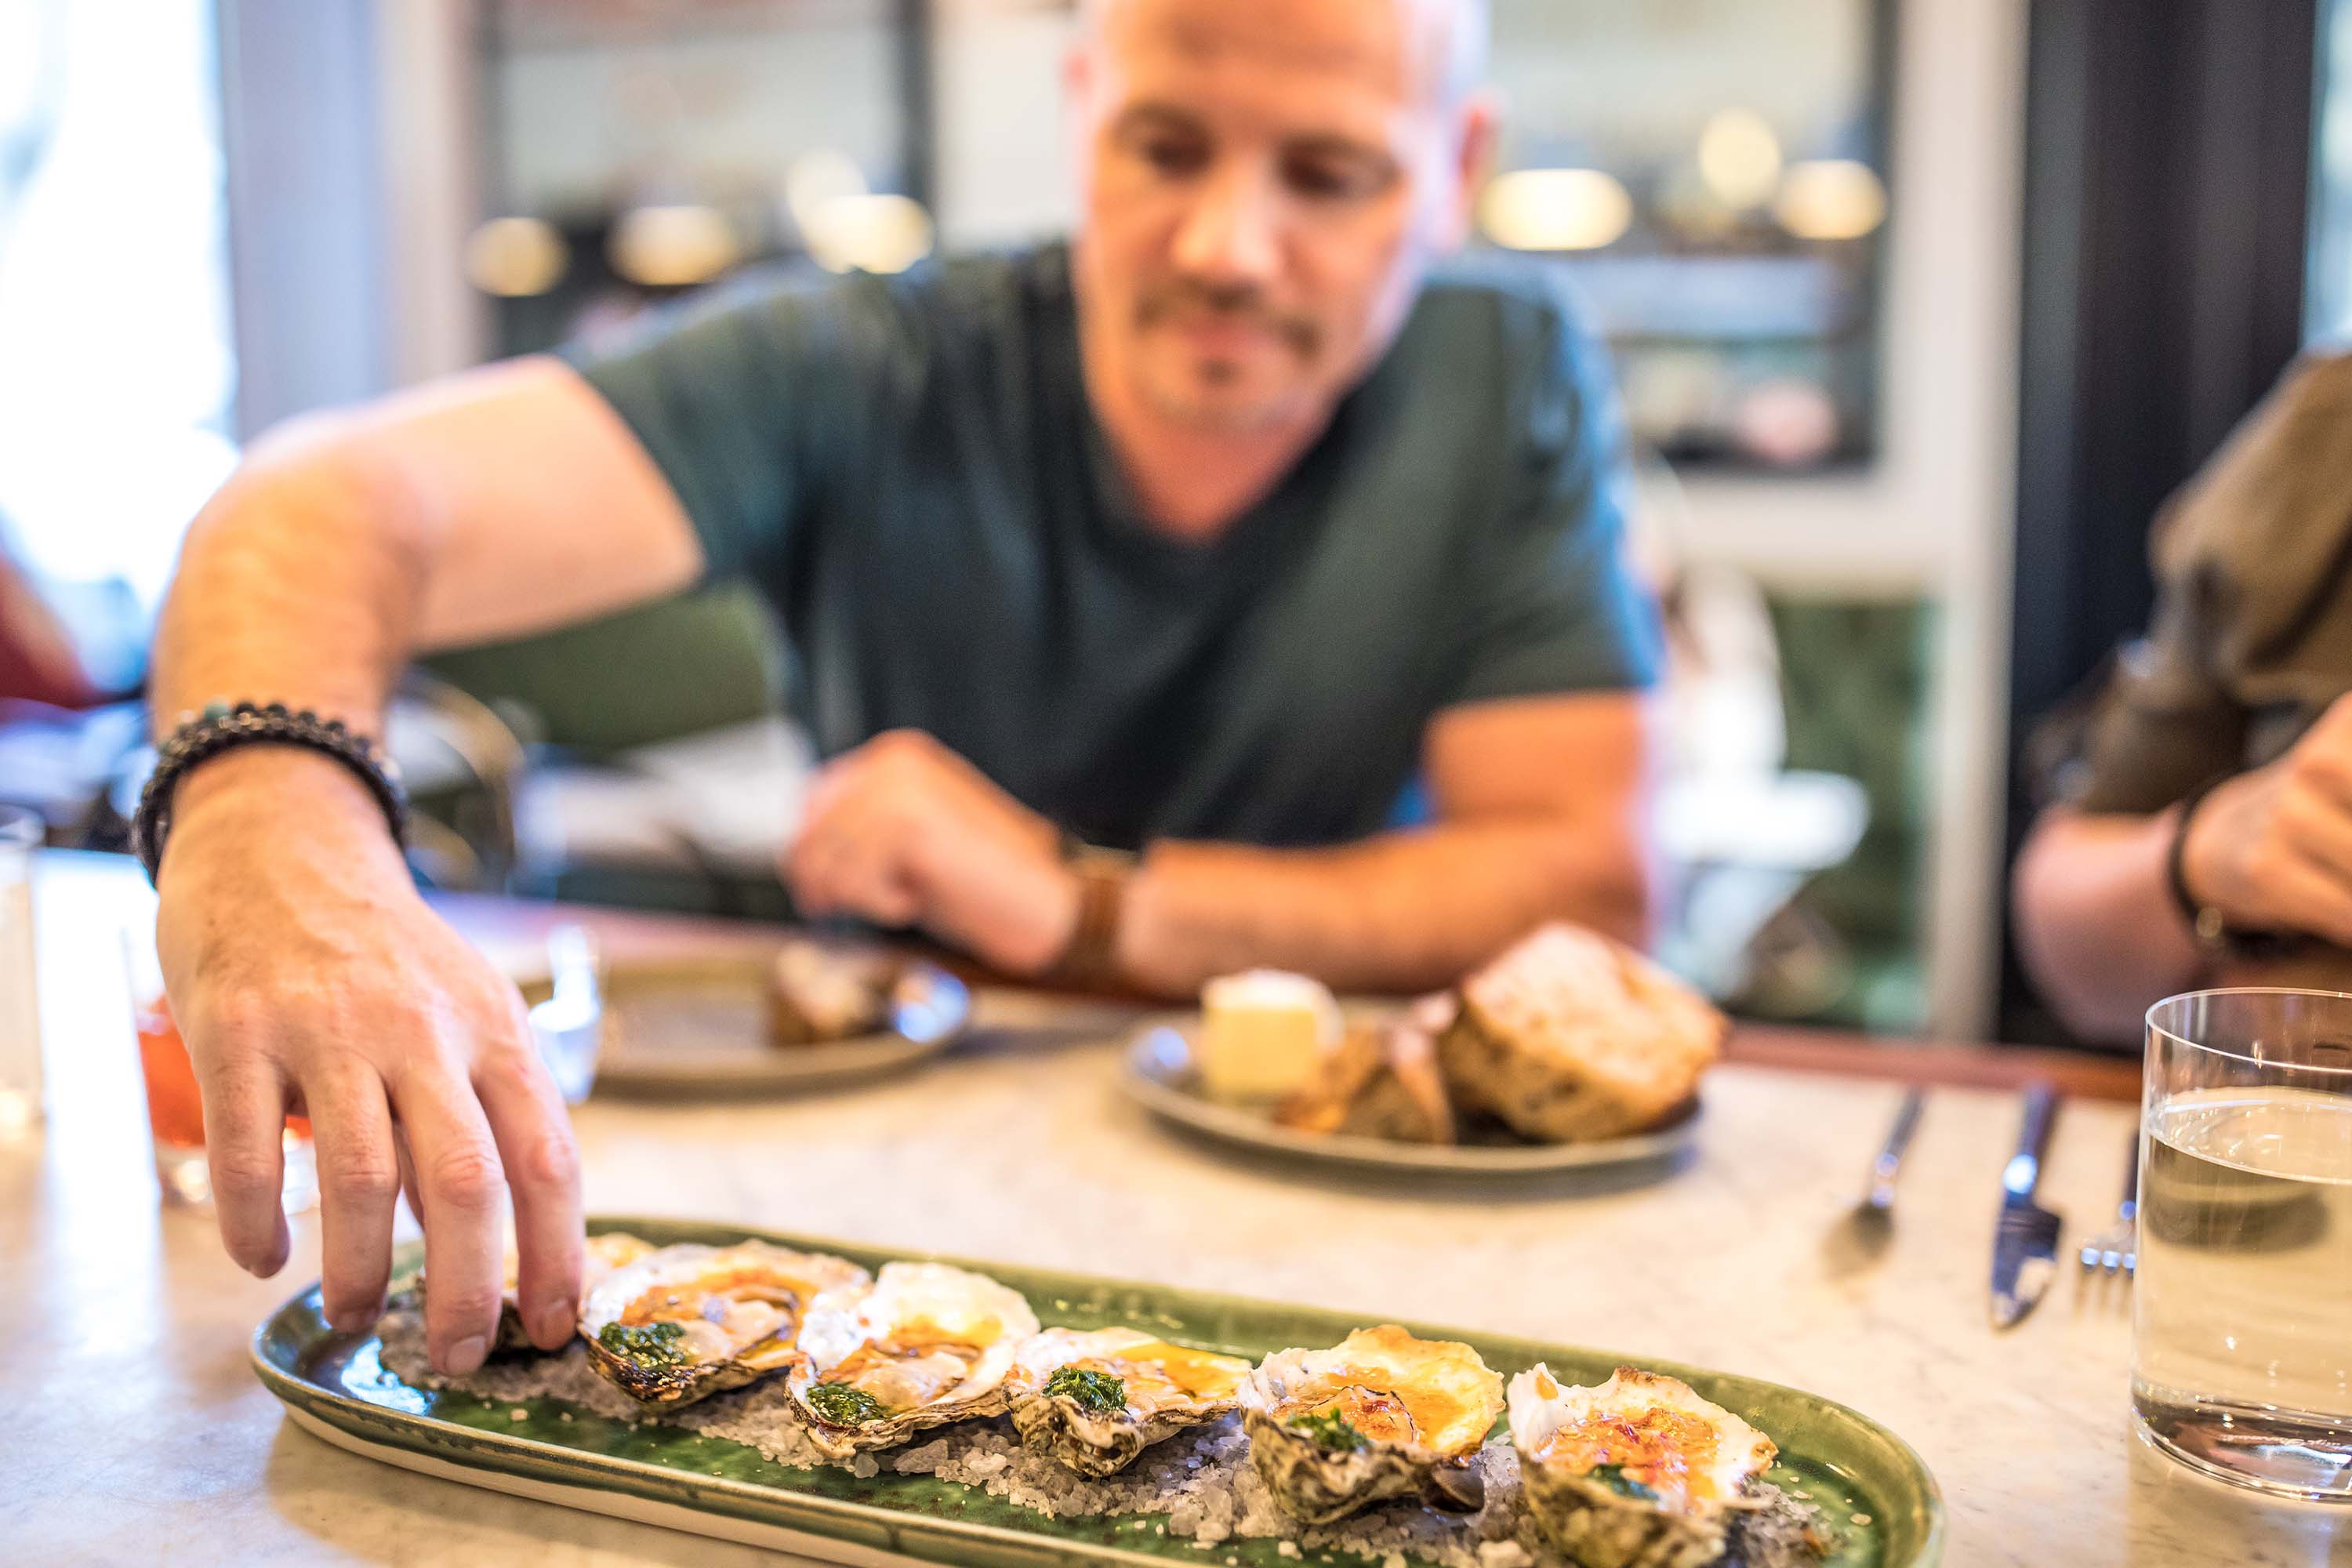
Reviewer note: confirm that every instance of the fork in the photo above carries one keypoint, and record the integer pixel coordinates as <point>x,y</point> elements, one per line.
<point>2115,1250</point>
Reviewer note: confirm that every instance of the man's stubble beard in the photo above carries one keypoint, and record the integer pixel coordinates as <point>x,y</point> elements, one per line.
<point>1211,416</point>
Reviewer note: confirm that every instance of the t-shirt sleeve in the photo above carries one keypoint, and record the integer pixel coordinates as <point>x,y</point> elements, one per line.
<point>751,404</point>
<point>1556,605</point>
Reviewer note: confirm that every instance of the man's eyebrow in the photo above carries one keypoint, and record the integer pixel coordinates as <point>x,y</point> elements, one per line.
<point>1156,116</point>
<point>1331,144</point>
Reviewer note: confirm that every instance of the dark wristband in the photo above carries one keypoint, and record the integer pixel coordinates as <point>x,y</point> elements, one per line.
<point>222,727</point>
<point>2213,933</point>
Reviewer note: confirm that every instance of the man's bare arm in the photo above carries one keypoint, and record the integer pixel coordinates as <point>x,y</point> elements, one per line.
<point>505,500</point>
<point>2096,923</point>
<point>303,966</point>
<point>2269,850</point>
<point>1542,809</point>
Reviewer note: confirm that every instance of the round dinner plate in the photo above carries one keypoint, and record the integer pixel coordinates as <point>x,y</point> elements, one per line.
<point>699,1026</point>
<point>1159,1075</point>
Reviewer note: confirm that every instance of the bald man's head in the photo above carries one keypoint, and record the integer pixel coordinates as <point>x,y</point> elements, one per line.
<point>1265,183</point>
<point>1450,39</point>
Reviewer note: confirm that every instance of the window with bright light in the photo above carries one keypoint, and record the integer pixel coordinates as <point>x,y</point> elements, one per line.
<point>117,368</point>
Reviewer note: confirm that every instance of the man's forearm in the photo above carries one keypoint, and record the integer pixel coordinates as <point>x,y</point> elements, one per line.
<point>299,584</point>
<point>2097,924</point>
<point>1404,911</point>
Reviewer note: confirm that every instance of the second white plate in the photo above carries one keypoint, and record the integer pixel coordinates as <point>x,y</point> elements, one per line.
<point>1159,1075</point>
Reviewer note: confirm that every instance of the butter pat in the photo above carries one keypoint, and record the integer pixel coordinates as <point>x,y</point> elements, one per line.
<point>1265,1034</point>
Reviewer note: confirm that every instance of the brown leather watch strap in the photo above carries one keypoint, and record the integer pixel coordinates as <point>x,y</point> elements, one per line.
<point>1089,960</point>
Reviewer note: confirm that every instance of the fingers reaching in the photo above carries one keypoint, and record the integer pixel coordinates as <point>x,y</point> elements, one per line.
<point>534,1142</point>
<point>359,1184</point>
<point>463,1187</point>
<point>245,1127</point>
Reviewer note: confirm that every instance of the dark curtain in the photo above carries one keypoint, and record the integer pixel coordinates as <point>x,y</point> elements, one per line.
<point>2168,159</point>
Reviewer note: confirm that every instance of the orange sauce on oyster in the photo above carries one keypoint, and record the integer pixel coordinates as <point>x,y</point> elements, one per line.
<point>752,1307</point>
<point>904,1376</point>
<point>1382,1415</point>
<point>1669,1451</point>
<point>1393,1415</point>
<point>1198,1375</point>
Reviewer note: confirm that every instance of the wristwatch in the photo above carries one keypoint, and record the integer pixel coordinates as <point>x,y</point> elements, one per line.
<point>1089,960</point>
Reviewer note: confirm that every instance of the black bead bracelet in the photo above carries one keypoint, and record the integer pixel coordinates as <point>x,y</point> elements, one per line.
<point>222,727</point>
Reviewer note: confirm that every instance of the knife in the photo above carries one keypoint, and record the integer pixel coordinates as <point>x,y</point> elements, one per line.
<point>2025,1243</point>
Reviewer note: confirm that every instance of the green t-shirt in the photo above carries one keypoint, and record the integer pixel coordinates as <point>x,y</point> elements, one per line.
<point>910,469</point>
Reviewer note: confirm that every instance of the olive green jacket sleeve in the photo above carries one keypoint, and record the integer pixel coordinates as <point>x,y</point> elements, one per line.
<point>2252,636</point>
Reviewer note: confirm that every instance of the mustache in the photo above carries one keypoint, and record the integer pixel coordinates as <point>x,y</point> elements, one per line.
<point>1240,304</point>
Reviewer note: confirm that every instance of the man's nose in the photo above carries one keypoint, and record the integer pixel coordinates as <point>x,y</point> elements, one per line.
<point>1231,234</point>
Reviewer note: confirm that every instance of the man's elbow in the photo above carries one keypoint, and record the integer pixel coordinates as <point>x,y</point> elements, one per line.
<point>2045,915</point>
<point>304,481</point>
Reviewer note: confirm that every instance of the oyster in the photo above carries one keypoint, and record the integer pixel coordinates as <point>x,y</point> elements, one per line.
<point>926,1345</point>
<point>1380,1414</point>
<point>1094,1400</point>
<point>684,1321</point>
<point>1639,1473</point>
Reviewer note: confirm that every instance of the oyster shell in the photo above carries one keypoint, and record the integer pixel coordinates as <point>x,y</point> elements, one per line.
<point>1638,1472</point>
<point>1380,1414</point>
<point>684,1321</point>
<point>1094,1400</point>
<point>926,1345</point>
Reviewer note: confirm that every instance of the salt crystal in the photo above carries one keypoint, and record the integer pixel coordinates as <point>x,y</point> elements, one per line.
<point>865,1466</point>
<point>1286,1548</point>
<point>1861,1518</point>
<point>518,1413</point>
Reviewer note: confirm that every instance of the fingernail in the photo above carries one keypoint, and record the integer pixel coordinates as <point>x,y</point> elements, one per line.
<point>464,1356</point>
<point>556,1323</point>
<point>345,1318</point>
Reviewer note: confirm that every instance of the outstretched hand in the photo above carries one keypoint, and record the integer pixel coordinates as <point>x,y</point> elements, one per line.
<point>308,976</point>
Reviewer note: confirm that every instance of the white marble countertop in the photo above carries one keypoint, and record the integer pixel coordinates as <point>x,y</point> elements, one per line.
<point>137,1432</point>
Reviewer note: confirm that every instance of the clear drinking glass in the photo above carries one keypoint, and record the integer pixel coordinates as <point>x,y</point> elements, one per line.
<point>2241,1341</point>
<point>20,1013</point>
<point>175,1112</point>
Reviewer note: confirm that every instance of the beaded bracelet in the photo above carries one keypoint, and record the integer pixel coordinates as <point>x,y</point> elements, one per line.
<point>222,727</point>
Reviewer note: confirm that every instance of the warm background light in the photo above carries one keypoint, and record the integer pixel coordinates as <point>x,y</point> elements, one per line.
<point>1738,157</point>
<point>1555,209</point>
<point>673,246</point>
<point>516,257</point>
<point>1831,198</point>
<point>816,178</point>
<point>870,234</point>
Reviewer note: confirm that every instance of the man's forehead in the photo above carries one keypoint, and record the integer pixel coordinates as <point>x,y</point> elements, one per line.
<point>1401,46</point>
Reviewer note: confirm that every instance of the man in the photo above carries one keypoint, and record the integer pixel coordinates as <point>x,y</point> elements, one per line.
<point>1197,538</point>
<point>2200,829</point>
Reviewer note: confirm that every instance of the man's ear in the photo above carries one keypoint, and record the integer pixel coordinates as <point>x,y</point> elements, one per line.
<point>1477,131</point>
<point>1077,75</point>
